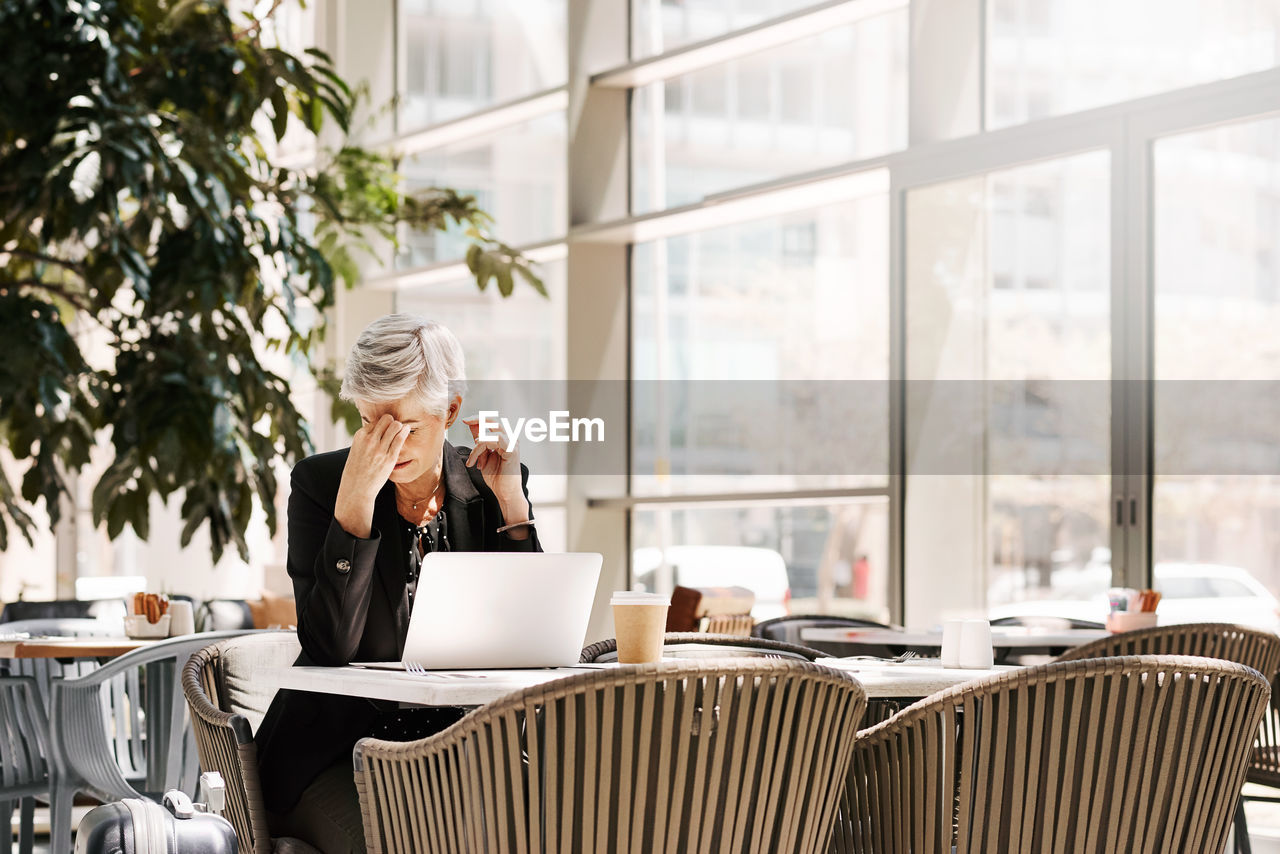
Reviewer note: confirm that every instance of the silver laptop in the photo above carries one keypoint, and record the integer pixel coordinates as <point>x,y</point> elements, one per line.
<point>500,610</point>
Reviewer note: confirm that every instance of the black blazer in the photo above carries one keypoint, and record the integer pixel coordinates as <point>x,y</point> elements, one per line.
<point>353,606</point>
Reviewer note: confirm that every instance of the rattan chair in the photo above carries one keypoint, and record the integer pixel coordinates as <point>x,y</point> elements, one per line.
<point>701,645</point>
<point>1264,765</point>
<point>1250,647</point>
<point>693,756</point>
<point>738,625</point>
<point>1136,754</point>
<point>1227,641</point>
<point>227,703</point>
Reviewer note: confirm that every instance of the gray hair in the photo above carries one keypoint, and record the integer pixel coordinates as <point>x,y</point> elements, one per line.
<point>400,355</point>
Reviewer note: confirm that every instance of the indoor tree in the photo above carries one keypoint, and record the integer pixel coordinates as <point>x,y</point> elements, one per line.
<point>154,252</point>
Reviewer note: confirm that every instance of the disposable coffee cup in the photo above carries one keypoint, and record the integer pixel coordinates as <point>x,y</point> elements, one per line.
<point>639,621</point>
<point>951,643</point>
<point>975,645</point>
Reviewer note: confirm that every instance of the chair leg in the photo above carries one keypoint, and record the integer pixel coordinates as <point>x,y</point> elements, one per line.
<point>27,826</point>
<point>6,816</point>
<point>60,820</point>
<point>1241,830</point>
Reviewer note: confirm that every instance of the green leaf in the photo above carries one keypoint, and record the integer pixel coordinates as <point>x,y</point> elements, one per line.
<point>529,276</point>
<point>117,515</point>
<point>484,270</point>
<point>159,259</point>
<point>279,113</point>
<point>503,275</point>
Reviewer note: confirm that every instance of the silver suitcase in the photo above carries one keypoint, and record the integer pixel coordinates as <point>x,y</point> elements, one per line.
<point>135,826</point>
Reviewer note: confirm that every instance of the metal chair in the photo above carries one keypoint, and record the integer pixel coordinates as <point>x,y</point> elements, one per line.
<point>743,756</point>
<point>703,645</point>
<point>227,704</point>
<point>1250,647</point>
<point>94,745</point>
<point>45,670</point>
<point>787,629</point>
<point>1067,622</point>
<point>1139,754</point>
<point>24,762</point>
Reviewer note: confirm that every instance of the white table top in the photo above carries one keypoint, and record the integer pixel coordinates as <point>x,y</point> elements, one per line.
<point>1013,637</point>
<point>909,679</point>
<point>477,687</point>
<point>435,688</point>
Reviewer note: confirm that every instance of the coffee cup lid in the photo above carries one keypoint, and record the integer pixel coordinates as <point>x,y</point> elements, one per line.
<point>637,597</point>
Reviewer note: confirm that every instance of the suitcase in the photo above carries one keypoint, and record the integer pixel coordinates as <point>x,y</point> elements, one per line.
<point>135,826</point>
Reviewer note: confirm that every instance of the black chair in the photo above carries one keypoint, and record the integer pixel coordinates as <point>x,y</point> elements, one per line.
<point>787,630</point>
<point>223,615</point>
<point>696,645</point>
<point>63,609</point>
<point>1066,622</point>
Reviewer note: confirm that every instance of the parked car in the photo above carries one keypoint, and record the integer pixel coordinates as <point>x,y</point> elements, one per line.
<point>763,571</point>
<point>1193,593</point>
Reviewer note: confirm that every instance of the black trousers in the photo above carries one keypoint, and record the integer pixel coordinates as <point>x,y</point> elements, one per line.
<point>327,816</point>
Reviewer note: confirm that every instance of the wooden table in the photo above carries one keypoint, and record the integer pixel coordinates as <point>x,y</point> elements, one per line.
<point>910,679</point>
<point>83,647</point>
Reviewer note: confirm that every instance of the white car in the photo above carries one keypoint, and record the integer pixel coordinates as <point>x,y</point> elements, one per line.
<point>763,571</point>
<point>1193,593</point>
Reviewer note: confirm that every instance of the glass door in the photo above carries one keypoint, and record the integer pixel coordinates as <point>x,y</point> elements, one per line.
<point>1008,319</point>
<point>1215,537</point>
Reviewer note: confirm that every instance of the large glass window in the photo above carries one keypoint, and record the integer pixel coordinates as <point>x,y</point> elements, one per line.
<point>760,354</point>
<point>517,175</point>
<point>1008,399</point>
<point>1048,57</point>
<point>760,362</point>
<point>515,353</point>
<point>1216,496</point>
<point>463,55</point>
<point>800,559</point>
<point>663,25</point>
<point>815,102</point>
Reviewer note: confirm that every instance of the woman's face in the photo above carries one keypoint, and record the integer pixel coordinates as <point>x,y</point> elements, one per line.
<point>420,454</point>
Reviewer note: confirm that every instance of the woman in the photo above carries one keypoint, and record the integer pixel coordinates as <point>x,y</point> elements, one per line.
<point>360,521</point>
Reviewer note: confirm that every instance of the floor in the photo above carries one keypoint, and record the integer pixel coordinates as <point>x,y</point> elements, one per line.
<point>1264,826</point>
<point>1264,821</point>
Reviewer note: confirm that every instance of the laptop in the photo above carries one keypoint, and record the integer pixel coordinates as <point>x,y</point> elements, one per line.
<point>499,610</point>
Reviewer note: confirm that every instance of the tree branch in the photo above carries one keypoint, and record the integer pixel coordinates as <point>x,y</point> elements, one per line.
<point>75,298</point>
<point>253,30</point>
<point>42,258</point>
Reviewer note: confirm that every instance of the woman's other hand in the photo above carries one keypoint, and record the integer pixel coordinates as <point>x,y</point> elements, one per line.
<point>375,448</point>
<point>500,469</point>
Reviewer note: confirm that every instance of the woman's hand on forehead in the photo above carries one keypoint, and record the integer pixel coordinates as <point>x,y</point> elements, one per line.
<point>375,448</point>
